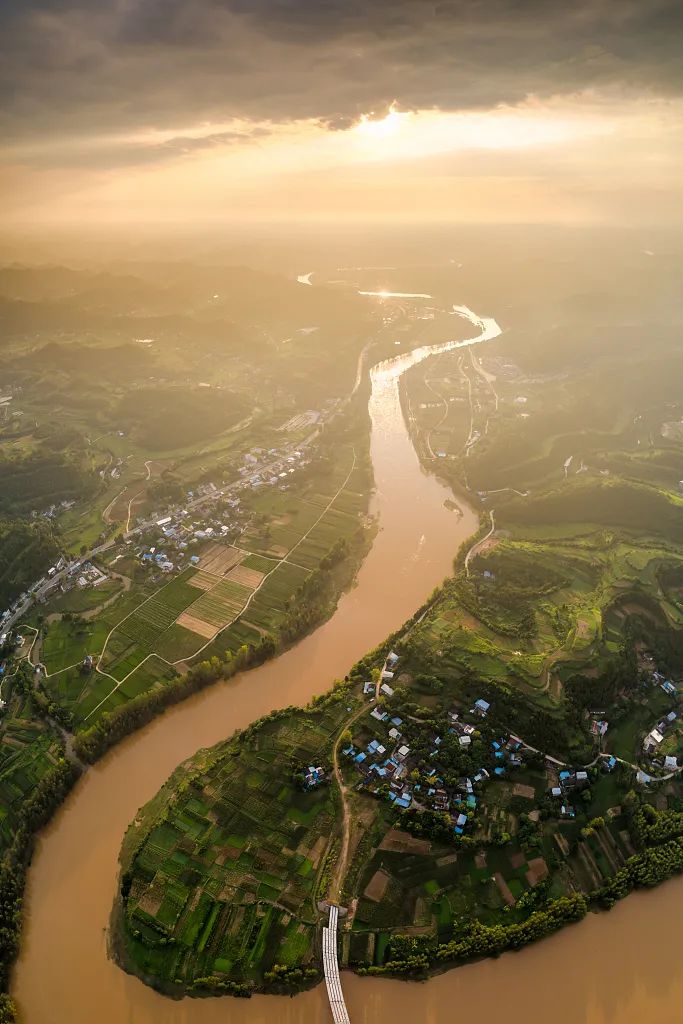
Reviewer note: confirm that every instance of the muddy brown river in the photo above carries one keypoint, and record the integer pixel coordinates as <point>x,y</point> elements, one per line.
<point>621,967</point>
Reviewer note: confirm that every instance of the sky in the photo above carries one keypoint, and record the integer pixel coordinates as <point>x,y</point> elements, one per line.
<point>212,111</point>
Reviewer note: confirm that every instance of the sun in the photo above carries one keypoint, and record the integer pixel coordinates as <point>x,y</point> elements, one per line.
<point>374,127</point>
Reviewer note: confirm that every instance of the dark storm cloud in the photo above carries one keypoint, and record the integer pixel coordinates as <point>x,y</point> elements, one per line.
<point>68,68</point>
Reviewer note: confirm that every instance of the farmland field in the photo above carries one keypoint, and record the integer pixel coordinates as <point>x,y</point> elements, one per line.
<point>254,839</point>
<point>157,613</point>
<point>269,605</point>
<point>221,604</point>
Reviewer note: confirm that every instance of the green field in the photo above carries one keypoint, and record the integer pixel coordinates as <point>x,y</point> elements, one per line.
<point>221,604</point>
<point>256,842</point>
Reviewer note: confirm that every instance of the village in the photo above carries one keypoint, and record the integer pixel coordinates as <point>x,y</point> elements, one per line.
<point>209,513</point>
<point>427,776</point>
<point>423,775</point>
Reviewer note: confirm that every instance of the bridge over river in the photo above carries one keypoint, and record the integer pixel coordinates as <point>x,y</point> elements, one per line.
<point>340,1014</point>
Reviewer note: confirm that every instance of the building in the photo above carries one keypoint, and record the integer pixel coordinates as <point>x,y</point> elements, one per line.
<point>652,740</point>
<point>313,776</point>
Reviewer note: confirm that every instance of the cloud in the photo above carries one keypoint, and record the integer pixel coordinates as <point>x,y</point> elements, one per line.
<point>72,68</point>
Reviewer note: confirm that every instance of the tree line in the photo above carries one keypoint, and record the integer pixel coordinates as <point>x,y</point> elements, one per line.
<point>415,957</point>
<point>35,812</point>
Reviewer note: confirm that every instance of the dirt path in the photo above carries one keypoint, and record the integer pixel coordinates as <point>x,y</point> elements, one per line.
<point>337,880</point>
<point>476,547</point>
<point>442,400</point>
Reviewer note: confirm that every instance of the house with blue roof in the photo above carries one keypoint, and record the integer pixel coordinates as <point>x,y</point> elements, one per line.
<point>314,776</point>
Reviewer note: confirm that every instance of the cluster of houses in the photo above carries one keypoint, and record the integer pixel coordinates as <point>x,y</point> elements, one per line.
<point>656,737</point>
<point>386,764</point>
<point>52,511</point>
<point>379,768</point>
<point>179,533</point>
<point>261,466</point>
<point>667,685</point>
<point>570,780</point>
<point>270,467</point>
<point>53,580</point>
<point>90,576</point>
<point>314,776</point>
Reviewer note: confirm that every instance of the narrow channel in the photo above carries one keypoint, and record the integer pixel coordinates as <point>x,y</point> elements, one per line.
<point>64,976</point>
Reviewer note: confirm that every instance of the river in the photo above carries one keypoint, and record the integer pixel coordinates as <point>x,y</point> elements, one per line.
<point>63,975</point>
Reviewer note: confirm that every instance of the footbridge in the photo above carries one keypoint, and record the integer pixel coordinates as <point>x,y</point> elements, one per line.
<point>340,1014</point>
